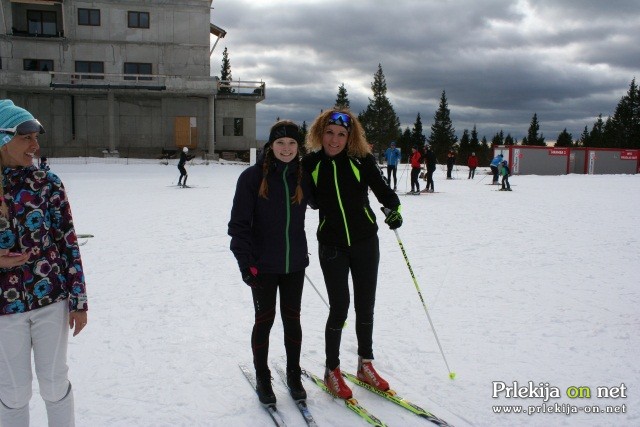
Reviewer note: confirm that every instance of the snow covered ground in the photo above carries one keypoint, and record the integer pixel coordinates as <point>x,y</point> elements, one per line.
<point>540,285</point>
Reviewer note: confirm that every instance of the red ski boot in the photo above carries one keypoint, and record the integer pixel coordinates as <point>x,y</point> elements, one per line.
<point>368,374</point>
<point>335,383</point>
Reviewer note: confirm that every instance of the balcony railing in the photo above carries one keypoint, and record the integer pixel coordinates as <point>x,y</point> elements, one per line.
<point>107,80</point>
<point>229,89</point>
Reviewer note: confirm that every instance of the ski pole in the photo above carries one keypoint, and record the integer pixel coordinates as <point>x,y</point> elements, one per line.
<point>317,291</point>
<point>452,375</point>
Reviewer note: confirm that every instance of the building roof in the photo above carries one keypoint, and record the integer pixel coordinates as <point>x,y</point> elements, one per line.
<point>217,31</point>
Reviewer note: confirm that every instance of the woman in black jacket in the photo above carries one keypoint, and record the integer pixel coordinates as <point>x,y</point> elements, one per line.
<point>342,169</point>
<point>268,240</point>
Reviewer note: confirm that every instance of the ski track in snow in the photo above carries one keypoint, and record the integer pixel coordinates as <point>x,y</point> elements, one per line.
<point>540,284</point>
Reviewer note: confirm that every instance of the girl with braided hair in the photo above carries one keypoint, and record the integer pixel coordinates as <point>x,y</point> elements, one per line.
<point>268,240</point>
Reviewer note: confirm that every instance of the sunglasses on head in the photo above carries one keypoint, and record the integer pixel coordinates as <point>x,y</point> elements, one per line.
<point>25,128</point>
<point>340,119</point>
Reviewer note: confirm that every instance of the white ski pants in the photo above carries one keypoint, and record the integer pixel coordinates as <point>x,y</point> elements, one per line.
<point>46,330</point>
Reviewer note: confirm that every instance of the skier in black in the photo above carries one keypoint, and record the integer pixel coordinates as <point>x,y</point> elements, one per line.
<point>43,164</point>
<point>451,160</point>
<point>184,158</point>
<point>430,162</point>
<point>270,245</point>
<point>342,169</point>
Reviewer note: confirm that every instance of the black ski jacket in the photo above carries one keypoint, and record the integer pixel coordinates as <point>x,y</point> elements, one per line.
<point>340,191</point>
<point>269,233</point>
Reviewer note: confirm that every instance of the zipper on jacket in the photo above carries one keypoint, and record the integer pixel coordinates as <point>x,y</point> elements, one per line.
<point>366,212</point>
<point>344,216</point>
<point>287,204</point>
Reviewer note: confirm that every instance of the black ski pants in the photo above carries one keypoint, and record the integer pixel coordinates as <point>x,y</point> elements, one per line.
<point>494,171</point>
<point>264,302</point>
<point>430,179</point>
<point>361,259</point>
<point>183,173</point>
<point>391,170</point>
<point>505,182</point>
<point>415,173</point>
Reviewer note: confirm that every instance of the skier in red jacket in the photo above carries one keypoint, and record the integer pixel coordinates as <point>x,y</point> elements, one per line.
<point>473,164</point>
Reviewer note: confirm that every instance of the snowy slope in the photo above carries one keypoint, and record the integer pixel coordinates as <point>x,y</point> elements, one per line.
<point>540,284</point>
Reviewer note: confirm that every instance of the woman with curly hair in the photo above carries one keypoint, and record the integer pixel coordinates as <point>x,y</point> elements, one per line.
<point>42,287</point>
<point>269,242</point>
<point>342,169</point>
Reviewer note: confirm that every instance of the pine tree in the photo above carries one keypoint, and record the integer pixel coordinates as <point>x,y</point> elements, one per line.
<point>532,135</point>
<point>380,121</point>
<point>464,150</point>
<point>225,73</point>
<point>565,139</point>
<point>624,129</point>
<point>596,136</point>
<point>498,138</point>
<point>508,140</point>
<point>417,136</point>
<point>486,155</point>
<point>404,144</point>
<point>584,138</point>
<point>443,137</point>
<point>342,100</point>
<point>474,143</point>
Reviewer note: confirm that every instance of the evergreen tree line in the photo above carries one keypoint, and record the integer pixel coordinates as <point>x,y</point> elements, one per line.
<point>382,125</point>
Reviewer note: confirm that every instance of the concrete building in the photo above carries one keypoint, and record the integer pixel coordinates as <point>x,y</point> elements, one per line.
<point>123,77</point>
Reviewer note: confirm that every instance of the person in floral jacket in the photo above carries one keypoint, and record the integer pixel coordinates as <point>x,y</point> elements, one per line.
<point>42,286</point>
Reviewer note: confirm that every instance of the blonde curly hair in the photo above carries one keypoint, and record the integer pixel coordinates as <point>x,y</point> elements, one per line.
<point>357,145</point>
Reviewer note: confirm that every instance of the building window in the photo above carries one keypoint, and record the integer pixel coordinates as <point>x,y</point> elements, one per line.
<point>137,68</point>
<point>238,128</point>
<point>42,22</point>
<point>90,67</point>
<point>232,126</point>
<point>138,19</point>
<point>89,17</point>
<point>38,64</point>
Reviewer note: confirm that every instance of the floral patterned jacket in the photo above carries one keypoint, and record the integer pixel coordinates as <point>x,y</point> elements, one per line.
<point>40,223</point>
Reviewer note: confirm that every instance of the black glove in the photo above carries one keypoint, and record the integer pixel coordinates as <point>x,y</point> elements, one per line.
<point>393,218</point>
<point>250,276</point>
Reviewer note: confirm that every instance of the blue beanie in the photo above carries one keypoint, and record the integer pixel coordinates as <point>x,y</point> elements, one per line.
<point>11,116</point>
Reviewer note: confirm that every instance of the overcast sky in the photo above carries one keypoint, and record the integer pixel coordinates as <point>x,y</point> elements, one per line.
<point>499,61</point>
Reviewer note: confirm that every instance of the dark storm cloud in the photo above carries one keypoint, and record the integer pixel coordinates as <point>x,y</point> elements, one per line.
<point>499,61</point>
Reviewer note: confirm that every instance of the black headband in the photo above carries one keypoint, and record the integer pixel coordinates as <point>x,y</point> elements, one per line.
<point>285,131</point>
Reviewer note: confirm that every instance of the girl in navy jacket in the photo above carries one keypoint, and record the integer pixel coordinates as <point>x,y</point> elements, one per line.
<point>268,240</point>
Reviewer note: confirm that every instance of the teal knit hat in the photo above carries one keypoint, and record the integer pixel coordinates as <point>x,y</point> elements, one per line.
<point>16,120</point>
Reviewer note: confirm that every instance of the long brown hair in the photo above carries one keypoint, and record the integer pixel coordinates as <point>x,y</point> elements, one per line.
<point>263,191</point>
<point>357,145</point>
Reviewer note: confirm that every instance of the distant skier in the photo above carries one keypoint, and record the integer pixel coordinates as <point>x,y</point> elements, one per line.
<point>472,162</point>
<point>184,158</point>
<point>416,166</point>
<point>506,171</point>
<point>451,160</point>
<point>392,154</point>
<point>497,160</point>
<point>430,162</point>
<point>43,164</point>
